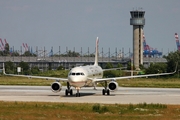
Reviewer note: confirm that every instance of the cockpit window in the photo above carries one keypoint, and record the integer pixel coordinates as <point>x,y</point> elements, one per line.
<point>78,73</point>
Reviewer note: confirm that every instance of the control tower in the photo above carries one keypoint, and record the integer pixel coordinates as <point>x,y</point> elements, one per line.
<point>138,21</point>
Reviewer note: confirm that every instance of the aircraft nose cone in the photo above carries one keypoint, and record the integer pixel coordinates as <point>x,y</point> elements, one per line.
<point>77,81</point>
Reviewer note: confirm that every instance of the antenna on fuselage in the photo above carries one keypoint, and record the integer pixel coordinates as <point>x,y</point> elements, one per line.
<point>96,52</point>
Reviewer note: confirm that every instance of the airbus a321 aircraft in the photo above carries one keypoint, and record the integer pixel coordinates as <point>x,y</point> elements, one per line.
<point>88,76</point>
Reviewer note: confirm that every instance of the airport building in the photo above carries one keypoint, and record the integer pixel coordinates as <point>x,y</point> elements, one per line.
<point>44,63</point>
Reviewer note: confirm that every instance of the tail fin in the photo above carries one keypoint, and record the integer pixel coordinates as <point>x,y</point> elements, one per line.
<point>96,52</point>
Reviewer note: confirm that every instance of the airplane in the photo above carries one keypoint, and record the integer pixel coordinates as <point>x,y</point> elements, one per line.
<point>86,76</point>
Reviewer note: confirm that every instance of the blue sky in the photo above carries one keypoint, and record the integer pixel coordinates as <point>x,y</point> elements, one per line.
<point>77,23</point>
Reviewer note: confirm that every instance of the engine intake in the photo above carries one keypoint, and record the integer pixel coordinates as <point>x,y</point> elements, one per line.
<point>56,87</point>
<point>113,85</point>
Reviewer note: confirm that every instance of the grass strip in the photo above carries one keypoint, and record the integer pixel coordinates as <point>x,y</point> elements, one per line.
<point>140,82</point>
<point>86,111</point>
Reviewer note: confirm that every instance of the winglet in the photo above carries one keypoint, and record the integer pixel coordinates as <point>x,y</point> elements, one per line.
<point>96,52</point>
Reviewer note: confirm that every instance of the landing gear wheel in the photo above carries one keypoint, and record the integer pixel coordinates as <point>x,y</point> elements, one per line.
<point>103,91</point>
<point>77,94</point>
<point>66,92</point>
<point>71,92</point>
<point>108,92</point>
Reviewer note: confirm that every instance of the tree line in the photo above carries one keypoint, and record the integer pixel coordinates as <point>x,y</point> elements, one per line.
<point>172,58</point>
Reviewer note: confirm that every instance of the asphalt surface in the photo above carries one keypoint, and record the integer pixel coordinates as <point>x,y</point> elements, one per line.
<point>124,95</point>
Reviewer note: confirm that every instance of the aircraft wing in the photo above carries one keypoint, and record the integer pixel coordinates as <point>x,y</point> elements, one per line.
<point>40,77</point>
<point>128,77</point>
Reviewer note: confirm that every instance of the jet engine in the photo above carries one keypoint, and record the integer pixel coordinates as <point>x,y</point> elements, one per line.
<point>113,85</point>
<point>56,87</point>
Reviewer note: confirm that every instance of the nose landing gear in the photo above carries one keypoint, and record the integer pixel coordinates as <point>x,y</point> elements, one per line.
<point>70,91</point>
<point>77,94</point>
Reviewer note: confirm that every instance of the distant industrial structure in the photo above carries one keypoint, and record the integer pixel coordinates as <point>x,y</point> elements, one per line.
<point>177,41</point>
<point>2,46</point>
<point>149,51</point>
<point>138,21</point>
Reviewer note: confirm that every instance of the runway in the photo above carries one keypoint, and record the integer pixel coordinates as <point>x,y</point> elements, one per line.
<point>124,95</point>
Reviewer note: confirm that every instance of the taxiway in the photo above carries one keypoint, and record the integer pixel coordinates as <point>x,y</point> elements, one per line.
<point>124,95</point>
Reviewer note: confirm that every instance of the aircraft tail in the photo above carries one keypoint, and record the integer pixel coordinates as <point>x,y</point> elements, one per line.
<point>96,52</point>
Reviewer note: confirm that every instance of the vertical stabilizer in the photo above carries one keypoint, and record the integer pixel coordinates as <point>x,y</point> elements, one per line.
<point>96,53</point>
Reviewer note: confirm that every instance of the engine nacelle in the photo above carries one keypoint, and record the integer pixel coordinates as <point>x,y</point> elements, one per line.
<point>113,85</point>
<point>56,87</point>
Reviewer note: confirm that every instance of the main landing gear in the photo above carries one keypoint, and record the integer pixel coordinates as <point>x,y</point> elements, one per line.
<point>105,90</point>
<point>68,90</point>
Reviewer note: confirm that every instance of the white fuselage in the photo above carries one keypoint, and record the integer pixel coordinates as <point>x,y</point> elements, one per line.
<point>84,75</point>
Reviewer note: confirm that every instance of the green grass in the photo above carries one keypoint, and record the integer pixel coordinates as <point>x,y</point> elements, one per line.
<point>151,82</point>
<point>7,80</point>
<point>141,82</point>
<point>86,111</point>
